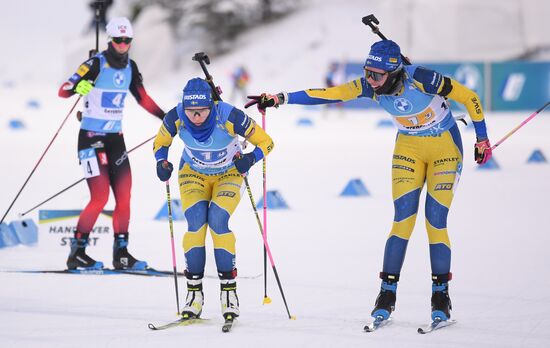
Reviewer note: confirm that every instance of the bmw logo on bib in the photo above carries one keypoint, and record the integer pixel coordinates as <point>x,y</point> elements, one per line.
<point>118,78</point>
<point>402,105</point>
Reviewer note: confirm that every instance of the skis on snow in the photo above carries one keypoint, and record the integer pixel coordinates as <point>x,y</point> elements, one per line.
<point>183,321</point>
<point>105,271</point>
<point>186,321</point>
<point>436,324</point>
<point>377,323</point>
<point>111,271</point>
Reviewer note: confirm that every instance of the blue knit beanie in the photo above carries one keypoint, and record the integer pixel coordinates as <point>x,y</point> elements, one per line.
<point>385,55</point>
<point>197,93</point>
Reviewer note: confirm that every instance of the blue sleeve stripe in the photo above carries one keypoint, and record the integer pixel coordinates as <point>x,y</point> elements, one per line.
<point>302,98</point>
<point>162,153</point>
<point>481,129</point>
<point>258,154</point>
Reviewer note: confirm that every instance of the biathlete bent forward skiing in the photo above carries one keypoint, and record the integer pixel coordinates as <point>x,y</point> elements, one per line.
<point>210,180</point>
<point>428,149</point>
<point>104,80</point>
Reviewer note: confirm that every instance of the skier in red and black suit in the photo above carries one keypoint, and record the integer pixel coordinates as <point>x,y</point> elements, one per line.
<point>104,81</point>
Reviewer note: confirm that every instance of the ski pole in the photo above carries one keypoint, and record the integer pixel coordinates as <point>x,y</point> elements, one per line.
<point>40,159</point>
<point>372,22</point>
<point>266,246</point>
<point>267,299</point>
<point>172,241</point>
<point>118,162</point>
<point>520,125</point>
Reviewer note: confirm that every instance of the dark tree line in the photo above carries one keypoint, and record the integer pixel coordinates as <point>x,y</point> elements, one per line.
<point>212,25</point>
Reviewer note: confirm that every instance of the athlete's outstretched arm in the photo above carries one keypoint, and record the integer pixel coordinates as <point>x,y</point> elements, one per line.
<point>347,91</point>
<point>138,91</point>
<point>341,93</point>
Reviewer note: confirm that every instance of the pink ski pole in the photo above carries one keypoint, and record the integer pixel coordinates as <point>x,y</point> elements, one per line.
<point>266,246</point>
<point>520,125</point>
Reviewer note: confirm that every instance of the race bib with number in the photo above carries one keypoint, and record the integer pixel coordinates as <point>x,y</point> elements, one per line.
<point>113,99</point>
<point>88,161</point>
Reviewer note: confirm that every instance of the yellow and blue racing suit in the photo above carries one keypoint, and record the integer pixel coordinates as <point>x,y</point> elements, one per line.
<point>428,149</point>
<point>210,185</point>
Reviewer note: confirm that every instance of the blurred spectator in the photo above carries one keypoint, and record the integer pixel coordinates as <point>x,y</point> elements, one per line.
<point>240,78</point>
<point>334,78</point>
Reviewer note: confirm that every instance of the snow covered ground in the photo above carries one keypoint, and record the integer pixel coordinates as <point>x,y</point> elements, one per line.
<point>328,249</point>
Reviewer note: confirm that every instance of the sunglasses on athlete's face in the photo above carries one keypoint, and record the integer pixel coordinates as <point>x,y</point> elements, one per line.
<point>376,76</point>
<point>202,112</point>
<point>119,40</point>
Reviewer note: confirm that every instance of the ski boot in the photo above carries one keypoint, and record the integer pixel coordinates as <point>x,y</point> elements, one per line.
<point>385,302</point>
<point>78,257</point>
<point>228,294</point>
<point>122,259</point>
<point>194,300</point>
<point>441,302</point>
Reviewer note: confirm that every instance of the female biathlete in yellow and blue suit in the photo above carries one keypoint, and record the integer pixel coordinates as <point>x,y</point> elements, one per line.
<point>428,149</point>
<point>210,181</point>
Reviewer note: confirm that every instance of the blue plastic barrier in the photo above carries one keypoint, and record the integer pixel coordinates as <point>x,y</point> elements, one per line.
<point>304,122</point>
<point>7,236</point>
<point>491,164</point>
<point>385,123</point>
<point>16,124</point>
<point>355,188</point>
<point>177,212</point>
<point>274,201</point>
<point>537,157</point>
<point>26,231</point>
<point>33,104</point>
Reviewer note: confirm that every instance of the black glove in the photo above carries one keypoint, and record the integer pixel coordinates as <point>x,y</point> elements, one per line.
<point>266,100</point>
<point>164,170</point>
<point>244,162</point>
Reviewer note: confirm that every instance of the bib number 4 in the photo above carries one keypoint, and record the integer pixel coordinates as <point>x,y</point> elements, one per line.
<point>88,162</point>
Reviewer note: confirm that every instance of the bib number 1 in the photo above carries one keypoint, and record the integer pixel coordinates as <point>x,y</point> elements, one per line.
<point>88,161</point>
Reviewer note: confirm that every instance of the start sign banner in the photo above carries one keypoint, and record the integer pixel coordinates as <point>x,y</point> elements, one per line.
<point>57,227</point>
